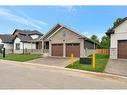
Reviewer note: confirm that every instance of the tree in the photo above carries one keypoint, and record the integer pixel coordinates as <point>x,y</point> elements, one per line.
<point>117,22</point>
<point>95,38</point>
<point>105,42</point>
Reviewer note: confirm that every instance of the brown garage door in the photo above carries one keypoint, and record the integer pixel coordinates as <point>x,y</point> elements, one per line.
<point>57,49</point>
<point>122,49</point>
<point>73,48</point>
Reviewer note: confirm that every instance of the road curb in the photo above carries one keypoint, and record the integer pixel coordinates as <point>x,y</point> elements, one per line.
<point>95,74</point>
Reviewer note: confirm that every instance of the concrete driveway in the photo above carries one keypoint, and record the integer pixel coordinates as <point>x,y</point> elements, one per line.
<point>53,61</point>
<point>118,66</point>
<point>19,75</point>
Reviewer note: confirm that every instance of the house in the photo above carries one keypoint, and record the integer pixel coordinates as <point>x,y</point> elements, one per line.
<point>7,41</point>
<point>26,41</point>
<point>22,41</point>
<point>118,35</point>
<point>62,41</point>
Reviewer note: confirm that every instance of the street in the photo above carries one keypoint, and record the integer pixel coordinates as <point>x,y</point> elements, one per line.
<point>15,75</point>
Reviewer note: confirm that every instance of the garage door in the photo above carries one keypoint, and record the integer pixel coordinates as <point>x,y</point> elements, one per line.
<point>57,49</point>
<point>122,49</point>
<point>73,48</point>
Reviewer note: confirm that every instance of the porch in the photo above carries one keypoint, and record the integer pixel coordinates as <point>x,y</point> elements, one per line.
<point>45,48</point>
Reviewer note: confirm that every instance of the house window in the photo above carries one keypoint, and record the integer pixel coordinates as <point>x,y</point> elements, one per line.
<point>17,46</point>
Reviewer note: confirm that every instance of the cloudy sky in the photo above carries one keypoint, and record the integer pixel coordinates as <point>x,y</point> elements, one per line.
<point>87,20</point>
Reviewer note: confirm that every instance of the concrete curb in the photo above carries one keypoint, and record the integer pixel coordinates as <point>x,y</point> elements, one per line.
<point>95,74</point>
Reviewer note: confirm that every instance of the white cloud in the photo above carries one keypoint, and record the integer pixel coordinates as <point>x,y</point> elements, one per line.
<point>8,14</point>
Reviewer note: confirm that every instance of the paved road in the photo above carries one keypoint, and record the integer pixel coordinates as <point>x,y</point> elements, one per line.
<point>117,66</point>
<point>53,61</point>
<point>15,75</point>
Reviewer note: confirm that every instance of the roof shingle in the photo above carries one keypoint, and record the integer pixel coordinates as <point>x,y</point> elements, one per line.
<point>6,38</point>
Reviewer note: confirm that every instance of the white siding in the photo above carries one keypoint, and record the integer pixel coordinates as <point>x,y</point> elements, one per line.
<point>17,40</point>
<point>29,46</point>
<point>25,46</point>
<point>8,47</point>
<point>120,34</point>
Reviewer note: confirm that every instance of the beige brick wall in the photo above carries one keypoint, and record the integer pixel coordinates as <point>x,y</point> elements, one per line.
<point>66,36</point>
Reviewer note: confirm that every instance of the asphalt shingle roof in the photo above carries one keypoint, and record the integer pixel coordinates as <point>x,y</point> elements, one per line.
<point>6,38</point>
<point>24,35</point>
<point>27,32</point>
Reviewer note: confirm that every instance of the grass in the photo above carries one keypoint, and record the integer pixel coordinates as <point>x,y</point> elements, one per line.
<point>101,61</point>
<point>20,57</point>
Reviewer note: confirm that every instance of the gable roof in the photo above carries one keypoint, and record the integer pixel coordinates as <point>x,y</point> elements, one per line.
<point>24,38</point>
<point>51,31</point>
<point>58,26</point>
<point>25,35</point>
<point>111,31</point>
<point>6,38</point>
<point>27,32</point>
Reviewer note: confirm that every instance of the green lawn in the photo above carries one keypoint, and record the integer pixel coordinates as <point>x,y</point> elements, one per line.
<point>101,61</point>
<point>20,57</point>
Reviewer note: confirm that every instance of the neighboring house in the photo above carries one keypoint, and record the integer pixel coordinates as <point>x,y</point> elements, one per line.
<point>62,41</point>
<point>22,41</point>
<point>26,41</point>
<point>7,41</point>
<point>118,34</point>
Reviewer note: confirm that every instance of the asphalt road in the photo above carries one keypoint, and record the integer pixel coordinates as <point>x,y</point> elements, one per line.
<point>15,75</point>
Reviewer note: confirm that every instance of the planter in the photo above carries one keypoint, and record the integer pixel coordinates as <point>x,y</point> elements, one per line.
<point>87,60</point>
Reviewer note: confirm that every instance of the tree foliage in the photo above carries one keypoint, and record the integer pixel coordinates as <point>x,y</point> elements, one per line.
<point>117,22</point>
<point>95,38</point>
<point>105,42</point>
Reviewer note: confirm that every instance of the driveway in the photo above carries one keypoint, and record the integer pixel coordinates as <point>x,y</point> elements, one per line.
<point>52,61</point>
<point>19,75</point>
<point>118,66</point>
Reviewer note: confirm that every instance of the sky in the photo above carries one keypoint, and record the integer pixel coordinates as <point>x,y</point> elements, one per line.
<point>87,20</point>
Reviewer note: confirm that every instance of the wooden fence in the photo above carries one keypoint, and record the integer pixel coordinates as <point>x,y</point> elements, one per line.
<point>104,51</point>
